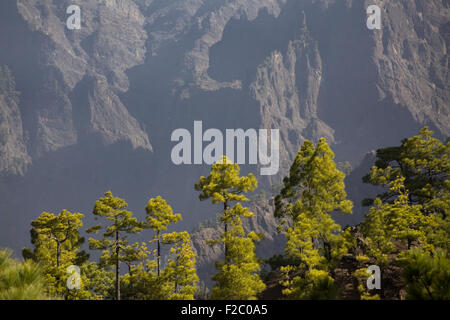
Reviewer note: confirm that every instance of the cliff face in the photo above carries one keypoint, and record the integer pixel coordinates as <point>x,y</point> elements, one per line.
<point>411,59</point>
<point>111,41</point>
<point>94,102</point>
<point>287,90</point>
<point>13,154</point>
<point>312,68</point>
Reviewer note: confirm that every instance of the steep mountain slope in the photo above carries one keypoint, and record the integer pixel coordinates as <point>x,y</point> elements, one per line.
<point>13,155</point>
<point>98,105</point>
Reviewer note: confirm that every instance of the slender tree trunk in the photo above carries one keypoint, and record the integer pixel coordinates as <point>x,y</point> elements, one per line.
<point>327,248</point>
<point>225,207</point>
<point>58,253</point>
<point>176,277</point>
<point>159,255</point>
<point>117,267</point>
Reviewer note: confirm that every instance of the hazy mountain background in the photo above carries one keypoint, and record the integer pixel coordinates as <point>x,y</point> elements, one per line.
<point>98,105</point>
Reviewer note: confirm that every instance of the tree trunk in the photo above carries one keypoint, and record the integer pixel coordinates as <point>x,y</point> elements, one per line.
<point>117,267</point>
<point>225,207</point>
<point>58,253</point>
<point>159,255</point>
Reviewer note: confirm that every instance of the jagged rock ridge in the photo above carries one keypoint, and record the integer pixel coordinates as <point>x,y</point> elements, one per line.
<point>138,69</point>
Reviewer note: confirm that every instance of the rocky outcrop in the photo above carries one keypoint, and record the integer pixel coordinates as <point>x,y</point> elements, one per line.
<point>288,105</point>
<point>303,84</point>
<point>411,59</point>
<point>14,158</point>
<point>111,40</point>
<point>142,68</point>
<point>327,75</point>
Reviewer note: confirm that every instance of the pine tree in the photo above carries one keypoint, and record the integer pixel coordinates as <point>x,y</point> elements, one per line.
<point>121,224</point>
<point>237,277</point>
<point>180,270</point>
<point>427,274</point>
<point>312,191</point>
<point>98,281</point>
<point>21,280</point>
<point>142,281</point>
<point>148,279</point>
<point>408,224</point>
<point>159,216</point>
<point>423,162</point>
<point>387,225</point>
<point>57,243</point>
<point>398,234</point>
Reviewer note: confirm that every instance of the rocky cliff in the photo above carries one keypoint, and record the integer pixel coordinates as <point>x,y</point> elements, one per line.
<point>13,154</point>
<point>312,68</point>
<point>98,105</point>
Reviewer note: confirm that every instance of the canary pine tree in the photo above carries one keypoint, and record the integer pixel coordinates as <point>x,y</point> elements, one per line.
<point>422,160</point>
<point>98,281</point>
<point>114,244</point>
<point>392,226</point>
<point>142,282</point>
<point>312,191</point>
<point>57,242</point>
<point>238,276</point>
<point>389,225</point>
<point>178,280</point>
<point>159,216</point>
<point>424,163</point>
<point>180,271</point>
<point>408,224</point>
<point>21,280</point>
<point>426,274</point>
